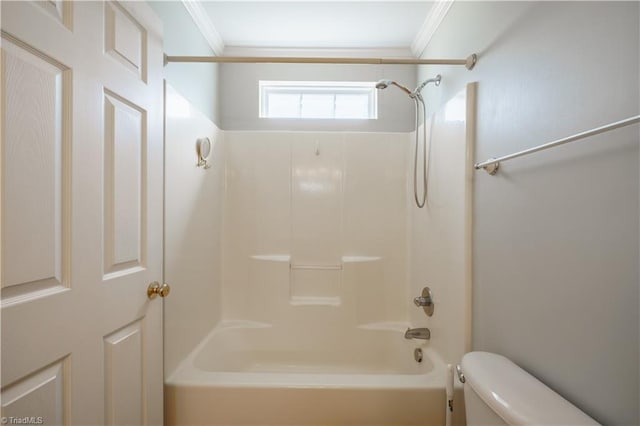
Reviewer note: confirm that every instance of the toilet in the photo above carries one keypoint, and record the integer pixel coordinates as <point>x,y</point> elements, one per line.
<point>498,392</point>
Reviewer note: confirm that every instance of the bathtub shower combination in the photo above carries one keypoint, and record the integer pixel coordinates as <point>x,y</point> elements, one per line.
<point>255,373</point>
<point>322,265</point>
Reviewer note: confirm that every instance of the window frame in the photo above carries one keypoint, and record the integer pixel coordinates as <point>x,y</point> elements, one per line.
<point>301,88</point>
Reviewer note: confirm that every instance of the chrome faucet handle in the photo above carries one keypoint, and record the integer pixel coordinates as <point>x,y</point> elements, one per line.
<point>426,301</point>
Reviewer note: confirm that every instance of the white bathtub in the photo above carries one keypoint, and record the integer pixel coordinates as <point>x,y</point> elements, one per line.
<point>248,373</point>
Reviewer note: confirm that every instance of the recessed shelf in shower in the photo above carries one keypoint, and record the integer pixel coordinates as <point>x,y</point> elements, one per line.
<point>317,283</point>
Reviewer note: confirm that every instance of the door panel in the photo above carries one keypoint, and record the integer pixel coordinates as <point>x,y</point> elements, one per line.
<point>43,392</point>
<point>36,91</point>
<point>125,147</point>
<point>61,10</point>
<point>124,375</point>
<point>81,212</point>
<point>125,39</point>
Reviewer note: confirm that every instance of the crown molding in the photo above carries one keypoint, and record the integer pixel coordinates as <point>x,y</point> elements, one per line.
<point>430,26</point>
<point>433,20</point>
<point>204,24</point>
<point>384,52</point>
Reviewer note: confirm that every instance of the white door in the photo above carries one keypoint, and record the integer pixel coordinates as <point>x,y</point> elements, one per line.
<point>81,212</point>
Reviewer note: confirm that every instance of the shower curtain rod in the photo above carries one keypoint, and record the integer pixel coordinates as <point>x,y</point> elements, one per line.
<point>469,62</point>
<point>492,165</point>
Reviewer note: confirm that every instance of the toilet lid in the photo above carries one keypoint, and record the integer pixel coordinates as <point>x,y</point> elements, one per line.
<point>515,395</point>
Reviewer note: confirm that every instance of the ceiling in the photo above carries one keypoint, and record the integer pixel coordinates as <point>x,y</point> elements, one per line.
<point>317,24</point>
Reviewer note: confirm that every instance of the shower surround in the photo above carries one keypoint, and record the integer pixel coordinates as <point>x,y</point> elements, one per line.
<point>315,228</point>
<point>322,253</point>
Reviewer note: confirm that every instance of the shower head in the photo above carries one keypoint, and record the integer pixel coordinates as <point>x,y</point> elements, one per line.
<point>435,80</point>
<point>383,84</point>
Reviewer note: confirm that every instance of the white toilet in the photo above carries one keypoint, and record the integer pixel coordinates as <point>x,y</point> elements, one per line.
<point>498,392</point>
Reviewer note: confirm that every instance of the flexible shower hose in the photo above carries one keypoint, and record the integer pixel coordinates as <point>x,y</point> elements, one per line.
<point>426,159</point>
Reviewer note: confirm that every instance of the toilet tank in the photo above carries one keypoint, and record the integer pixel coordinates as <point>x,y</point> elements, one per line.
<point>497,391</point>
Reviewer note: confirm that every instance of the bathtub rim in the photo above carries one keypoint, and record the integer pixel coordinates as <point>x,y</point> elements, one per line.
<point>187,374</point>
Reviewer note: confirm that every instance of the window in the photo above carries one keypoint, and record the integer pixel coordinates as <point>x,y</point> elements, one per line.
<point>318,99</point>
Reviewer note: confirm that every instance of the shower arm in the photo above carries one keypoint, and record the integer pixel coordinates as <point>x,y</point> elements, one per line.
<point>403,88</point>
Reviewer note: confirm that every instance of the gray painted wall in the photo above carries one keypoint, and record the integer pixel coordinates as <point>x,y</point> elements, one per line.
<point>196,82</point>
<point>239,95</point>
<point>556,281</point>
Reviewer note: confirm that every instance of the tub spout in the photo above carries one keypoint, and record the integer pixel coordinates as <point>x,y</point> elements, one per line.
<point>417,333</point>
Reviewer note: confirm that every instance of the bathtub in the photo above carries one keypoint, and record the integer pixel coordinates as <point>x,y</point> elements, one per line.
<point>247,373</point>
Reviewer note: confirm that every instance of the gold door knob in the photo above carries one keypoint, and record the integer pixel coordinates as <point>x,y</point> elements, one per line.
<point>155,289</point>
